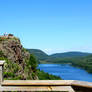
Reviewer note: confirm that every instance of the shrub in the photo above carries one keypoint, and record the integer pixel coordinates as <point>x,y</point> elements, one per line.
<point>32,63</point>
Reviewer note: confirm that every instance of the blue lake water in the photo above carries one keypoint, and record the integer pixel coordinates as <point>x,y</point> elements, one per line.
<point>66,72</point>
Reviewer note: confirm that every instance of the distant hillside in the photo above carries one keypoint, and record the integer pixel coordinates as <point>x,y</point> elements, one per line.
<point>39,54</point>
<point>69,54</point>
<point>66,57</point>
<point>83,62</point>
<point>43,57</point>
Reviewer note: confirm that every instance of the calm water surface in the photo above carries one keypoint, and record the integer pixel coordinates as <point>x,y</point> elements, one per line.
<point>66,72</point>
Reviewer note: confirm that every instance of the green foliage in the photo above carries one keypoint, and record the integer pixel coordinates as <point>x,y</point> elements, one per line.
<point>40,55</point>
<point>45,76</point>
<point>69,54</point>
<point>32,62</point>
<point>1,54</point>
<point>9,74</point>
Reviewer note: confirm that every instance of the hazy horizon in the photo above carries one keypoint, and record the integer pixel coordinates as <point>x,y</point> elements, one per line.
<point>53,26</point>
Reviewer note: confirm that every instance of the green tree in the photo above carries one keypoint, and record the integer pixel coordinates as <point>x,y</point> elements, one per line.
<point>33,62</point>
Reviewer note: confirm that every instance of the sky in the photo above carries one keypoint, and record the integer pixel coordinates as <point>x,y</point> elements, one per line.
<point>53,26</point>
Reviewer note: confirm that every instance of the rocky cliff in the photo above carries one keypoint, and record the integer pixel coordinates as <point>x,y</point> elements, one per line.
<point>17,64</point>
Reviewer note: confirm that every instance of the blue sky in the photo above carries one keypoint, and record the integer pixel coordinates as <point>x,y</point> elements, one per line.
<point>49,25</point>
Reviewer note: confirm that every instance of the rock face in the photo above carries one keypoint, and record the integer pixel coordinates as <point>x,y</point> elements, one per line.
<point>13,50</point>
<point>16,59</point>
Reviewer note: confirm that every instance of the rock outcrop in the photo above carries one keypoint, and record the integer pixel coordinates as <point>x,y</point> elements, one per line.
<point>17,59</point>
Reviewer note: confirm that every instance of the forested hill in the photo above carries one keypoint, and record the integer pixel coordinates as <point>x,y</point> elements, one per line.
<point>40,55</point>
<point>69,54</point>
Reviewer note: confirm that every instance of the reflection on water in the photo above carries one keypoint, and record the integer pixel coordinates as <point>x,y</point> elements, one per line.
<point>66,72</point>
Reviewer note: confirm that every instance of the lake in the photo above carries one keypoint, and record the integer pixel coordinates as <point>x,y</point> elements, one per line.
<point>66,72</point>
